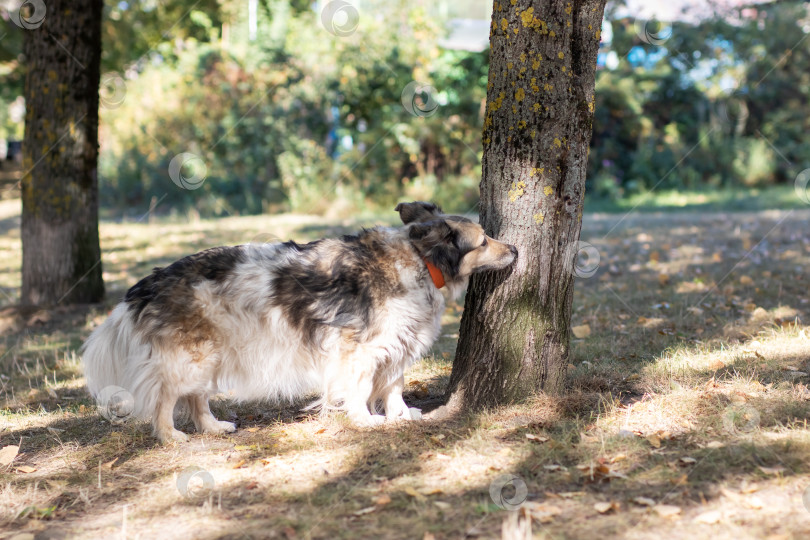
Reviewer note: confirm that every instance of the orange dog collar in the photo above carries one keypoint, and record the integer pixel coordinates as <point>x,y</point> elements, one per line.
<point>435,274</point>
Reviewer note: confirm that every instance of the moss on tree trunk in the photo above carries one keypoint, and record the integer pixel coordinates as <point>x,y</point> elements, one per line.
<point>514,338</point>
<point>61,255</point>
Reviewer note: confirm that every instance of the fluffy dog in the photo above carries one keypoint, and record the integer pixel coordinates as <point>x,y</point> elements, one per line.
<point>339,317</point>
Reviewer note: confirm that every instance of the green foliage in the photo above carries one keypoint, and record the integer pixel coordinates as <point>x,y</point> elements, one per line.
<point>718,106</point>
<point>303,124</point>
<point>300,119</point>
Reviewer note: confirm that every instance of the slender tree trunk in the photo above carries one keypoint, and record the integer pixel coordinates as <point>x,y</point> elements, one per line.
<point>61,255</point>
<point>514,338</point>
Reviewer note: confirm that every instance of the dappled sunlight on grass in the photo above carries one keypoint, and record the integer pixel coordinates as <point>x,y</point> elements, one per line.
<point>687,397</point>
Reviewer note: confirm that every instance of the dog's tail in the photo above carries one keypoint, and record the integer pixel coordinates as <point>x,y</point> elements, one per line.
<point>110,357</point>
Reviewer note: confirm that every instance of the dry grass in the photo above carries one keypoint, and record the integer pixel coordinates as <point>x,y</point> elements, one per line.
<point>687,415</point>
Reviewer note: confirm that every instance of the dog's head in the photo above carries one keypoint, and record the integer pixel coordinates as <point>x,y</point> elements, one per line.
<point>454,244</point>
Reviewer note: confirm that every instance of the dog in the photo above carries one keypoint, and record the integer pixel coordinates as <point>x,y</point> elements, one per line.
<point>340,317</point>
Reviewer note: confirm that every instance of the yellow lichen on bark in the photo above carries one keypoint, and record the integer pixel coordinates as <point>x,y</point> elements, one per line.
<point>517,191</point>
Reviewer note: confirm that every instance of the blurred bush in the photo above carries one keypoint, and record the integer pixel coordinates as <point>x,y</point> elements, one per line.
<point>295,118</point>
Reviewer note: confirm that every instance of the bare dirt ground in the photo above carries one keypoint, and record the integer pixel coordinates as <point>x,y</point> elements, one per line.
<point>686,416</point>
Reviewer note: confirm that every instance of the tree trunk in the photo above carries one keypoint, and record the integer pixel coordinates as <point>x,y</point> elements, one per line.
<point>61,255</point>
<point>514,337</point>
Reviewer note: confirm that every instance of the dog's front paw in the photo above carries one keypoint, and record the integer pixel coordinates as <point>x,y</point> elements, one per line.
<point>219,427</point>
<point>415,414</point>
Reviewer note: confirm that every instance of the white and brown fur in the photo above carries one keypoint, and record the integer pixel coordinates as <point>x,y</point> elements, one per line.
<point>340,317</point>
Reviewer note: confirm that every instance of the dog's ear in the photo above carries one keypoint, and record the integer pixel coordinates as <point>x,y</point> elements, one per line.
<point>417,212</point>
<point>436,241</point>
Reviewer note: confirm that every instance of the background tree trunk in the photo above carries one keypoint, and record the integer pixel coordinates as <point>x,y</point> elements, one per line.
<point>61,255</point>
<point>514,337</point>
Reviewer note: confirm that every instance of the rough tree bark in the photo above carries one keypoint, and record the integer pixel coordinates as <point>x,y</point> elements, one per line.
<point>514,336</point>
<point>61,255</point>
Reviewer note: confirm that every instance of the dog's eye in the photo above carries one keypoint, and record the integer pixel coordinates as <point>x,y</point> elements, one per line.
<point>484,243</point>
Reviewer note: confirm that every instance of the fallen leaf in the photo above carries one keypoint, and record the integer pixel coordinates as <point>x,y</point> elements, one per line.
<point>682,480</point>
<point>709,518</point>
<point>663,279</point>
<point>320,431</point>
<point>542,512</point>
<point>717,364</point>
<point>605,507</point>
<point>252,485</point>
<point>715,444</point>
<point>654,440</point>
<point>8,453</point>
<point>415,494</point>
<point>365,511</point>
<point>382,500</point>
<point>772,470</point>
<point>687,460</point>
<point>745,280</point>
<point>239,465</point>
<point>443,505</point>
<point>667,510</point>
<point>570,494</point>
<point>109,464</point>
<point>644,501</point>
<point>252,429</point>
<point>536,438</point>
<point>26,469</point>
<point>581,331</point>
<point>554,467</point>
<point>617,458</point>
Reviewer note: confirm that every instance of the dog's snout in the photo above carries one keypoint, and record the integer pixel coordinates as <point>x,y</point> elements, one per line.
<point>514,251</point>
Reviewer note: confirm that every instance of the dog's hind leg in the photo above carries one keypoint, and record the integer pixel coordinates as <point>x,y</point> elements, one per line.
<point>204,420</point>
<point>163,418</point>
